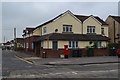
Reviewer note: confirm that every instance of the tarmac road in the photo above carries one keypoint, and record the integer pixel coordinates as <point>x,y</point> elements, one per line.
<point>17,68</point>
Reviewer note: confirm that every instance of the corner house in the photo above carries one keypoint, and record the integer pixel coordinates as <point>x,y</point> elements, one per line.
<point>76,31</point>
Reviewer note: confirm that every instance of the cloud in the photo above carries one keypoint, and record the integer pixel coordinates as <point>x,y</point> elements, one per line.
<point>23,14</point>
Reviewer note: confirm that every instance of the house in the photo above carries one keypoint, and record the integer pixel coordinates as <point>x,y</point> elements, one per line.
<point>28,37</point>
<point>7,45</point>
<point>114,28</point>
<point>19,42</point>
<point>12,43</point>
<point>76,31</point>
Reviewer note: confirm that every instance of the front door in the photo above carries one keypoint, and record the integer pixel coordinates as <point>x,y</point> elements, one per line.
<point>38,49</point>
<point>55,45</point>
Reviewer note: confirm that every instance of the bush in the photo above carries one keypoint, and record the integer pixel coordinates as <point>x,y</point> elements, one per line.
<point>115,45</point>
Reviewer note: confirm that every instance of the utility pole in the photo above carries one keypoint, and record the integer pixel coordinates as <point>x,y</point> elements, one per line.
<point>15,44</point>
<point>14,33</point>
<point>4,38</point>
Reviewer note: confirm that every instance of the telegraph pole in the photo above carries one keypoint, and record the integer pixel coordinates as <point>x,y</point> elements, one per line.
<point>15,45</point>
<point>4,38</point>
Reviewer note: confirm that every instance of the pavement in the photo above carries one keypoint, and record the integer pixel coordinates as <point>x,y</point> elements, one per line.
<point>21,65</point>
<point>70,61</point>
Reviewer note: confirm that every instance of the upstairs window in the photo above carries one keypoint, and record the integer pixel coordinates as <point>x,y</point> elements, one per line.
<point>67,28</point>
<point>102,31</point>
<point>90,29</point>
<point>44,30</point>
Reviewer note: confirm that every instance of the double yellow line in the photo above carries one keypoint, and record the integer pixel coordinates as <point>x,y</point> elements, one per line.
<point>27,61</point>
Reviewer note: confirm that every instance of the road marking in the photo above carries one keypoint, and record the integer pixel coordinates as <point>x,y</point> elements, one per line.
<point>31,58</point>
<point>30,62</point>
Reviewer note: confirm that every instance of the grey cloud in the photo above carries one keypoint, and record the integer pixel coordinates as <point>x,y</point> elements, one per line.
<point>23,14</point>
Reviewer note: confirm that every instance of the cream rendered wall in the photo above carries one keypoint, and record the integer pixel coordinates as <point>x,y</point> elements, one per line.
<point>62,43</point>
<point>91,22</point>
<point>104,44</point>
<point>37,31</point>
<point>67,19</point>
<point>47,44</point>
<point>49,29</point>
<point>81,44</point>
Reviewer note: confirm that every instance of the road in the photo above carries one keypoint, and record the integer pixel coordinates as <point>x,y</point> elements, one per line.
<point>16,68</point>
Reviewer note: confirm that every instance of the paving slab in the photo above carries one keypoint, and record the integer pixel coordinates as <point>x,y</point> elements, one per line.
<point>70,60</point>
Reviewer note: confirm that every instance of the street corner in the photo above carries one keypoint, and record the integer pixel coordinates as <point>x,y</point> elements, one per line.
<point>27,61</point>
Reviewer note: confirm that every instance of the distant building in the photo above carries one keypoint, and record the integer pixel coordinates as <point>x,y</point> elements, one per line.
<point>114,28</point>
<point>28,37</point>
<point>19,42</point>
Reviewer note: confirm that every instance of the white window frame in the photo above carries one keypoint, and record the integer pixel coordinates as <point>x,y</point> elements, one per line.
<point>27,45</point>
<point>90,29</point>
<point>67,28</point>
<point>99,44</point>
<point>32,45</point>
<point>73,44</point>
<point>24,45</point>
<point>42,44</point>
<point>44,29</point>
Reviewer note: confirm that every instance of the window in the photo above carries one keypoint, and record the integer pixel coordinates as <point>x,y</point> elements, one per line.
<point>44,30</point>
<point>26,45</point>
<point>99,44</point>
<point>102,31</point>
<point>73,44</point>
<point>55,45</point>
<point>32,45</point>
<point>42,44</point>
<point>90,29</point>
<point>67,28</point>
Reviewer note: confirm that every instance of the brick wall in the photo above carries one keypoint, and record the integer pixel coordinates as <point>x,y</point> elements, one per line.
<point>29,40</point>
<point>56,53</point>
<point>101,52</point>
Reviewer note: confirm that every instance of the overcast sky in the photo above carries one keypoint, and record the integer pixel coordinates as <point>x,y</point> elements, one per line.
<point>31,14</point>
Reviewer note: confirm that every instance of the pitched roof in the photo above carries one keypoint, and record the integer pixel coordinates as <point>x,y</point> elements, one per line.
<point>117,18</point>
<point>30,29</point>
<point>79,37</point>
<point>48,21</point>
<point>101,21</point>
<point>83,18</point>
<point>80,17</point>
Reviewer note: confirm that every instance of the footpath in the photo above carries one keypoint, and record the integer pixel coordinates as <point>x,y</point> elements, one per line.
<point>70,61</point>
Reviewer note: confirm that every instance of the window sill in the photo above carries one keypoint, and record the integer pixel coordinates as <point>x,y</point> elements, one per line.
<point>91,33</point>
<point>67,32</point>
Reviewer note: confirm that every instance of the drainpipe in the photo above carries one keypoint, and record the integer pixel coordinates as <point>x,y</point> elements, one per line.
<point>41,31</point>
<point>82,28</point>
<point>114,31</point>
<point>48,42</point>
